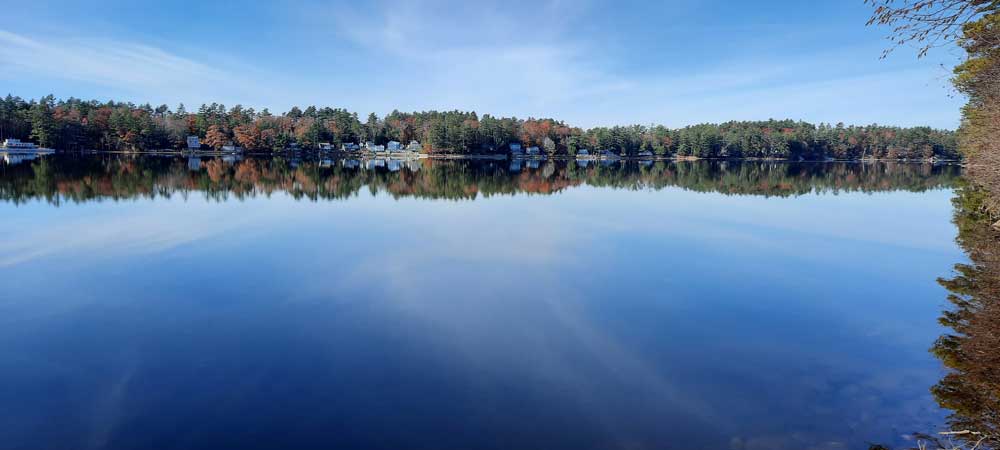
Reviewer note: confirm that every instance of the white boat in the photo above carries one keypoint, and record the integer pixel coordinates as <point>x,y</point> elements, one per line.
<point>11,145</point>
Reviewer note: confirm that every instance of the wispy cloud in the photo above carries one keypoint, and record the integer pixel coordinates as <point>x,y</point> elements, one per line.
<point>144,71</point>
<point>476,56</point>
<point>105,62</point>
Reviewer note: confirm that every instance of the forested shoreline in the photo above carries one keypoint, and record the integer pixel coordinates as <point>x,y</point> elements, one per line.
<point>76,124</point>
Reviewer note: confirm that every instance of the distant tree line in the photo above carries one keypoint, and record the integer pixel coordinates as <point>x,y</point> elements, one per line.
<point>77,124</point>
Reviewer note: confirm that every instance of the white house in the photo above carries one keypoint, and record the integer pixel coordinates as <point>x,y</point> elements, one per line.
<point>394,146</point>
<point>350,147</point>
<point>516,149</point>
<point>414,146</point>
<point>645,154</point>
<point>582,152</point>
<point>193,143</point>
<point>325,146</point>
<point>533,151</point>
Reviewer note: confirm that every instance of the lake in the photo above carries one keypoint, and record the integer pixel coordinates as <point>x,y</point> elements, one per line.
<point>199,303</point>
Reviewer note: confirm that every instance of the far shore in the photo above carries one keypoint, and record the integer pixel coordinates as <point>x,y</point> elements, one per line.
<point>485,156</point>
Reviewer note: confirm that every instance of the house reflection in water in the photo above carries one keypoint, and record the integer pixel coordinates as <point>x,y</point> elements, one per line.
<point>515,165</point>
<point>351,163</point>
<point>532,164</point>
<point>194,163</point>
<point>11,159</point>
<point>232,159</point>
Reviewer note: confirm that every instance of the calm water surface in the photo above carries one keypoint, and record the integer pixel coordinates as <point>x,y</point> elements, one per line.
<point>204,304</point>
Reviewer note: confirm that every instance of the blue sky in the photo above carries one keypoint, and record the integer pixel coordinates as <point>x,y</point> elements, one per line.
<point>590,63</point>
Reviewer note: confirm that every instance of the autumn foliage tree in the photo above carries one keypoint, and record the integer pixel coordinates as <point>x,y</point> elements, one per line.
<point>248,136</point>
<point>216,137</point>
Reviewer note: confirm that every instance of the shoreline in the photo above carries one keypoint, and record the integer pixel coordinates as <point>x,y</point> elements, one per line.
<point>485,156</point>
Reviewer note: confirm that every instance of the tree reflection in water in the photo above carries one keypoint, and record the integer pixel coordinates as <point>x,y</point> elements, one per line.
<point>77,178</point>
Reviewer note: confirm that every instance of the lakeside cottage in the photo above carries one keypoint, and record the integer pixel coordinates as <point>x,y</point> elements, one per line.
<point>414,146</point>
<point>325,146</point>
<point>645,154</point>
<point>582,152</point>
<point>193,143</point>
<point>394,146</point>
<point>516,149</point>
<point>16,144</point>
<point>350,147</point>
<point>534,151</point>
